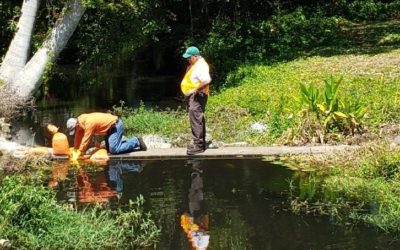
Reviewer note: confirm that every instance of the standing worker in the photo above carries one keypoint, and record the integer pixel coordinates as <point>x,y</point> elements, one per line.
<point>103,124</point>
<point>195,85</point>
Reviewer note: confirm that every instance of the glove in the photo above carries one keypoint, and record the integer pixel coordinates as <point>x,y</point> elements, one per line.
<point>76,154</point>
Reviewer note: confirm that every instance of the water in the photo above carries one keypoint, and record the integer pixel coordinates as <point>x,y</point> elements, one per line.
<point>228,204</point>
<point>116,90</point>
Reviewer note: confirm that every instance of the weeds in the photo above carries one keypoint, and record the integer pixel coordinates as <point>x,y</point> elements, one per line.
<point>150,121</point>
<point>31,218</point>
<point>30,163</point>
<point>332,113</point>
<point>361,185</point>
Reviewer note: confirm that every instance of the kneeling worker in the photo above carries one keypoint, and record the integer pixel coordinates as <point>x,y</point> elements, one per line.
<point>103,124</point>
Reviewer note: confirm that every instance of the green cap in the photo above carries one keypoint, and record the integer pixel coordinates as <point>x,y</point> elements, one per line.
<point>191,51</point>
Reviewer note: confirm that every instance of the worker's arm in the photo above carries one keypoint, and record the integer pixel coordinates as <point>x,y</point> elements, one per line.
<point>203,84</point>
<point>78,137</point>
<point>87,135</point>
<point>202,74</point>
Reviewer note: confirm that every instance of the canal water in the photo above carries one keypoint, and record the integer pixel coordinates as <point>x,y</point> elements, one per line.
<point>219,204</point>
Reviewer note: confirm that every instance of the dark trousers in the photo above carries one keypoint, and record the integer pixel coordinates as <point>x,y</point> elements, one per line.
<point>197,107</point>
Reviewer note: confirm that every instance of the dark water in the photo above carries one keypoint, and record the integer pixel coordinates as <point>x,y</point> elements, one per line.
<point>117,89</point>
<point>235,204</point>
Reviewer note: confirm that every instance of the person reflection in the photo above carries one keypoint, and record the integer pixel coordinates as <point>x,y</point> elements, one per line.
<point>99,188</point>
<point>93,190</point>
<point>58,174</point>
<point>195,221</point>
<point>115,170</point>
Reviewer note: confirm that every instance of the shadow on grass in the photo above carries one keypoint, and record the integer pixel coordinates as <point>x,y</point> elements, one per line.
<point>362,38</point>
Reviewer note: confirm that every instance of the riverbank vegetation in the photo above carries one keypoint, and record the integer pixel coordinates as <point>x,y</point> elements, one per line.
<point>32,218</point>
<point>361,185</point>
<point>366,99</point>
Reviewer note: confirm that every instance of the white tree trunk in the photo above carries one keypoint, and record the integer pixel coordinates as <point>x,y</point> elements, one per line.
<point>19,49</point>
<point>29,80</point>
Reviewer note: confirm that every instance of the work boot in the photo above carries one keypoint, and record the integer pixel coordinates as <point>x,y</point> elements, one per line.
<point>194,150</point>
<point>142,145</point>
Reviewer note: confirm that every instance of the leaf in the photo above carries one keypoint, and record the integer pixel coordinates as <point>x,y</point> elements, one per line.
<point>340,114</point>
<point>322,107</point>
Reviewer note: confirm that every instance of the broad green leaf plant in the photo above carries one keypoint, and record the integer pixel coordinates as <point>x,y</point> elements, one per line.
<point>333,113</point>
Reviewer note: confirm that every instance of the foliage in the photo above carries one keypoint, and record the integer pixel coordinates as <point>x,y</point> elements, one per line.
<point>309,96</point>
<point>282,35</point>
<point>9,13</point>
<point>362,9</point>
<point>346,116</point>
<point>229,32</point>
<point>362,186</point>
<point>31,218</point>
<point>145,120</point>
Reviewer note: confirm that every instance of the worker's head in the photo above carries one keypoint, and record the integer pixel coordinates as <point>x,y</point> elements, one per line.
<point>191,54</point>
<point>71,125</point>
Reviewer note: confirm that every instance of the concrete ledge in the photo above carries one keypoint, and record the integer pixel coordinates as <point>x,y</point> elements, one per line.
<point>229,152</point>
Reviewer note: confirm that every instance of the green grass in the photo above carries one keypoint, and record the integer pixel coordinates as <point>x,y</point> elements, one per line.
<point>168,124</point>
<point>368,62</point>
<point>270,90</point>
<point>31,218</point>
<point>361,185</point>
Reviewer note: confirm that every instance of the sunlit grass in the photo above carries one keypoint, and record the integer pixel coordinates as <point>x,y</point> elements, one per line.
<point>368,63</point>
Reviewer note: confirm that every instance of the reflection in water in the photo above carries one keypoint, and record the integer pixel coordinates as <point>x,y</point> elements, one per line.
<point>95,190</point>
<point>58,174</point>
<point>195,221</point>
<point>247,205</point>
<point>115,170</point>
<point>99,188</point>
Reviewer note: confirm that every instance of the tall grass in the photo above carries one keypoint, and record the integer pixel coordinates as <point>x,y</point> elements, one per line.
<point>362,185</point>
<point>150,121</point>
<point>31,218</point>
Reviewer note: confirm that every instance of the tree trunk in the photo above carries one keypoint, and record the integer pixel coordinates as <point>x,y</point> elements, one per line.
<point>29,80</point>
<point>19,49</point>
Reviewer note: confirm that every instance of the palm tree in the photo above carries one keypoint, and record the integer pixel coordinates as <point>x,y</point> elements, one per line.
<point>23,76</point>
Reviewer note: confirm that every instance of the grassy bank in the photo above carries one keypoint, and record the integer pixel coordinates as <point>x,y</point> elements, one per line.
<point>361,185</point>
<point>365,67</point>
<point>32,218</point>
<point>272,95</point>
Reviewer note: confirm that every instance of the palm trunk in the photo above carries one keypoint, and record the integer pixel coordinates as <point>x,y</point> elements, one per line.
<point>29,79</point>
<point>19,49</point>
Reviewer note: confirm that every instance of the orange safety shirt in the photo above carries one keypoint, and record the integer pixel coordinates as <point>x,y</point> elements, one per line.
<point>92,124</point>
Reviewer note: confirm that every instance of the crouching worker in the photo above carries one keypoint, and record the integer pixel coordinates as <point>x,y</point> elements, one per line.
<point>103,124</point>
